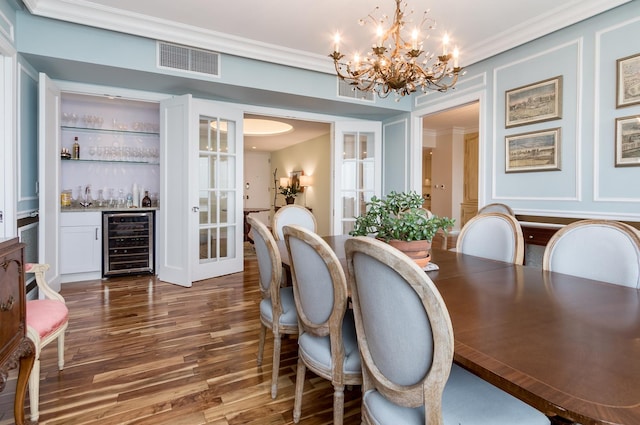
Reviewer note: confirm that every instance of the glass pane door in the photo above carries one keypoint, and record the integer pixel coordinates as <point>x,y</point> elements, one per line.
<point>217,183</point>
<point>358,168</point>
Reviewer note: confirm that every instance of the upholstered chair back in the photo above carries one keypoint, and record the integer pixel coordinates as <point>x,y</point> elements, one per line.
<point>403,326</point>
<point>292,214</point>
<point>603,250</point>
<point>277,308</point>
<point>314,269</point>
<point>327,343</point>
<point>268,255</point>
<point>496,207</point>
<point>495,236</point>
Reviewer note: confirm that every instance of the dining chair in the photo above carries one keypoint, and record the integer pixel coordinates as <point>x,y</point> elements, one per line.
<point>292,214</point>
<point>603,250</point>
<point>277,308</point>
<point>494,235</point>
<point>496,207</point>
<point>406,344</point>
<point>47,320</point>
<point>327,343</point>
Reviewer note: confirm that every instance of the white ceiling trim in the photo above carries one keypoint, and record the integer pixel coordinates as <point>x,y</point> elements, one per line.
<point>565,14</point>
<point>96,15</point>
<point>99,16</point>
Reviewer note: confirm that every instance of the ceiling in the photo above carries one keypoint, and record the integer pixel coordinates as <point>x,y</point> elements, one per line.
<point>300,32</point>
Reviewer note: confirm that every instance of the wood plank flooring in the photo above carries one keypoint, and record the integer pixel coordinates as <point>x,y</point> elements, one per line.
<point>140,351</point>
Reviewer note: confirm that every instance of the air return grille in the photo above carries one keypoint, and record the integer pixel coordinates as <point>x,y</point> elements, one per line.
<point>347,90</point>
<point>184,58</point>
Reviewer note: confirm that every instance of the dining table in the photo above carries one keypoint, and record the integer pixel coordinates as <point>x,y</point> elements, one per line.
<point>566,345</point>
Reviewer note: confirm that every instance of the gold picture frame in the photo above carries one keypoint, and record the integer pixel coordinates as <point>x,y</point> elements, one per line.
<point>533,151</point>
<point>294,179</point>
<point>628,141</point>
<point>628,81</point>
<point>537,102</point>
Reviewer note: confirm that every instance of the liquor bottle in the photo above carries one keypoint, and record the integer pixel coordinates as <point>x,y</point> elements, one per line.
<point>76,148</point>
<point>146,201</point>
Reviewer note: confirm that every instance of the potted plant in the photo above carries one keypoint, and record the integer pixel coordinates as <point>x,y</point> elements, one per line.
<point>289,192</point>
<point>401,221</point>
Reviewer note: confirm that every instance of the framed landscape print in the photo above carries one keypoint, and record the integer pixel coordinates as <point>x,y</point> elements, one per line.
<point>628,81</point>
<point>534,151</point>
<point>628,141</point>
<point>541,101</point>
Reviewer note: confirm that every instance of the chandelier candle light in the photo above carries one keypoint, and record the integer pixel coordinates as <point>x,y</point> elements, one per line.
<point>401,66</point>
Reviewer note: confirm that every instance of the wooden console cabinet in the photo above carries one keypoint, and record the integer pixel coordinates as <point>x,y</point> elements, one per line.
<point>15,347</point>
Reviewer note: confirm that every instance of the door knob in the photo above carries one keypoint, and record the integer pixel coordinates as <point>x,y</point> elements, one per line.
<point>195,209</point>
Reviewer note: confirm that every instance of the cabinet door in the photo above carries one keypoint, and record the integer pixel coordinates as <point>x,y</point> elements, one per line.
<point>81,249</point>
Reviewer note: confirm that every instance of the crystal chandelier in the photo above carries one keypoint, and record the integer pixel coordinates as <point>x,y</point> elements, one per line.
<point>398,66</point>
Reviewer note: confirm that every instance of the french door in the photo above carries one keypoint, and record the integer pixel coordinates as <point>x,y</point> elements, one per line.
<point>358,170</point>
<point>201,179</point>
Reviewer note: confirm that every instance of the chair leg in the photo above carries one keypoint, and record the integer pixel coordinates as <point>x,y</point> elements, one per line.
<point>276,365</point>
<point>338,404</point>
<point>61,351</point>
<point>263,335</point>
<point>34,389</point>
<point>297,402</point>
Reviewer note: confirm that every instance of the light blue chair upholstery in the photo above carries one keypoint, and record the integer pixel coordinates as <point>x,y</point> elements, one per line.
<point>406,343</point>
<point>327,343</point>
<point>603,250</point>
<point>277,307</point>
<point>496,207</point>
<point>292,214</point>
<point>495,236</point>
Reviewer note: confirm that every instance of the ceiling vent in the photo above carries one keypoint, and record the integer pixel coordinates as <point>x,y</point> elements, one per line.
<point>200,61</point>
<point>347,90</point>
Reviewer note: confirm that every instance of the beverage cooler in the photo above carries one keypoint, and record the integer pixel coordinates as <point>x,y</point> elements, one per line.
<point>128,243</point>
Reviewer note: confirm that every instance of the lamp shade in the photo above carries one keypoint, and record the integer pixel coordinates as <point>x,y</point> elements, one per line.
<point>306,181</point>
<point>284,181</point>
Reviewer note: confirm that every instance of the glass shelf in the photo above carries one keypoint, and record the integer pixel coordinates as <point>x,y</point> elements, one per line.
<point>110,161</point>
<point>112,131</point>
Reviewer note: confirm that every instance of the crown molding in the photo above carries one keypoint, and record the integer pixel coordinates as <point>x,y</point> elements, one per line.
<point>99,16</point>
<point>565,14</point>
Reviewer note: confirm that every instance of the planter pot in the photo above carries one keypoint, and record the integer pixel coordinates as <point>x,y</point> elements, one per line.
<point>418,251</point>
<point>290,200</point>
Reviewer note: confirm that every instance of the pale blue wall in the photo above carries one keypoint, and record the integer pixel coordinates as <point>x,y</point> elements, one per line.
<point>43,37</point>
<point>28,138</point>
<point>588,184</point>
<point>7,20</point>
<point>396,150</point>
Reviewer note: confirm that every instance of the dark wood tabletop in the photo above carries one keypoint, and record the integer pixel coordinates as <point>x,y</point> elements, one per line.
<point>566,345</point>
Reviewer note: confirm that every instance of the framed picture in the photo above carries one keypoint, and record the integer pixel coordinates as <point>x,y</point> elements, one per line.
<point>628,141</point>
<point>541,101</point>
<point>534,151</point>
<point>628,81</point>
<point>294,178</point>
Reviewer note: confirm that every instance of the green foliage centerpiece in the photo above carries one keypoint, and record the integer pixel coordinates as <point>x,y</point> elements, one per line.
<point>401,218</point>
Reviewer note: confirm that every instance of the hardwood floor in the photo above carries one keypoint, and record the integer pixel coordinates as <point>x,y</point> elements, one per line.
<point>141,351</point>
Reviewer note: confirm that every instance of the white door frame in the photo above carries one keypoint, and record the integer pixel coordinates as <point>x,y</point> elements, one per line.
<point>8,142</point>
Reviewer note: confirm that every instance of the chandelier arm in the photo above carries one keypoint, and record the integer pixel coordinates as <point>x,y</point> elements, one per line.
<point>396,67</point>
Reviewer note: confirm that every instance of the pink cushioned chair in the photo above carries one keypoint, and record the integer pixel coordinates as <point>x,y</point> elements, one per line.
<point>47,319</point>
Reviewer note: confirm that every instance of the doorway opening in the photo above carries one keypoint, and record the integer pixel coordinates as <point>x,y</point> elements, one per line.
<point>450,162</point>
<point>306,150</point>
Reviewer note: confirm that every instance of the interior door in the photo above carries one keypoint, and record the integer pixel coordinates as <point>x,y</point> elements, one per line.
<point>49,177</point>
<point>216,191</point>
<point>200,222</point>
<point>358,170</point>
